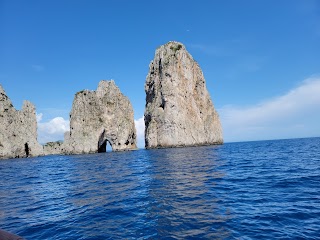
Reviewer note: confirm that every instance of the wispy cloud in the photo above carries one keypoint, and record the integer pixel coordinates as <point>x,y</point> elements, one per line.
<point>250,63</point>
<point>140,131</point>
<point>240,45</point>
<point>294,114</point>
<point>52,130</point>
<point>39,117</point>
<point>241,56</point>
<point>310,13</point>
<point>37,68</point>
<point>215,50</point>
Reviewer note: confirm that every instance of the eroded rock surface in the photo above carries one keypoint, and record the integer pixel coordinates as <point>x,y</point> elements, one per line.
<point>98,117</point>
<point>179,110</point>
<point>18,129</point>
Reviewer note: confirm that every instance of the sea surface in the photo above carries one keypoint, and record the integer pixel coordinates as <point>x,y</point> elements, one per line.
<point>248,190</point>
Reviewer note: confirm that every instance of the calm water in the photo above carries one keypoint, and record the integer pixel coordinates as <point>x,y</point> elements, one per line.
<point>252,190</point>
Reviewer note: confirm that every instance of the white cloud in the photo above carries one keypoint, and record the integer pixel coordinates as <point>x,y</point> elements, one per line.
<point>140,131</point>
<point>294,114</point>
<point>39,117</point>
<point>52,130</point>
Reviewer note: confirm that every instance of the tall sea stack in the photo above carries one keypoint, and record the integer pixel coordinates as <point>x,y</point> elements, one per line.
<point>18,129</point>
<point>98,117</point>
<point>179,111</point>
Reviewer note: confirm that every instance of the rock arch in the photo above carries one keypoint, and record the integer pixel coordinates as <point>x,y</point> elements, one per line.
<point>102,147</point>
<point>98,117</point>
<point>103,141</point>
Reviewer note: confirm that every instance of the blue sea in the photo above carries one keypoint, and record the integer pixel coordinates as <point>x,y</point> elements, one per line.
<point>248,190</point>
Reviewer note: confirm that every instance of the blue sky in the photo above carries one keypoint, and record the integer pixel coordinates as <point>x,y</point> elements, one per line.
<point>258,57</point>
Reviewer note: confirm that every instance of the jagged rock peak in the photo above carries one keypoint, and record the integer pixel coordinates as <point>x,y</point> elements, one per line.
<point>1,89</point>
<point>28,106</point>
<point>108,88</point>
<point>5,102</point>
<point>18,129</point>
<point>179,110</point>
<point>100,117</point>
<point>171,48</point>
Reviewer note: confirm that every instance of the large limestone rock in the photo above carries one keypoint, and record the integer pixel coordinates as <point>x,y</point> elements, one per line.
<point>18,129</point>
<point>179,111</point>
<point>98,117</point>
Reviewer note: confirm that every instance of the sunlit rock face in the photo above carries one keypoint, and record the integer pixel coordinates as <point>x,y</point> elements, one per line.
<point>98,117</point>
<point>18,129</point>
<point>179,111</point>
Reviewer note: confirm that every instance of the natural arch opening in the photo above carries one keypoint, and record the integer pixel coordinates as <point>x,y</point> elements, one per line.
<point>26,149</point>
<point>105,147</point>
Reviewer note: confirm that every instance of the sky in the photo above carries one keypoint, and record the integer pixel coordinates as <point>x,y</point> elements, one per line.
<point>260,58</point>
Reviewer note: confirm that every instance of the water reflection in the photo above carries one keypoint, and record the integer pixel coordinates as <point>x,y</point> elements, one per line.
<point>149,194</point>
<point>185,202</point>
<point>227,191</point>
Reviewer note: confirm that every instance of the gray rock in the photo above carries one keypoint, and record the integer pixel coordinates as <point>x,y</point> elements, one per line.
<point>18,129</point>
<point>52,148</point>
<point>98,117</point>
<point>179,111</point>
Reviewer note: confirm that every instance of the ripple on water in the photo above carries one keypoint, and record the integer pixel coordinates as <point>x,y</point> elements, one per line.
<point>252,190</point>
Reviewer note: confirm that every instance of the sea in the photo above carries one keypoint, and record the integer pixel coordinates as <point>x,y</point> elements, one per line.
<point>245,190</point>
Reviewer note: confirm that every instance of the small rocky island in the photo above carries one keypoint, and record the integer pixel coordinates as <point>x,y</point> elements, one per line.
<point>179,111</point>
<point>97,118</point>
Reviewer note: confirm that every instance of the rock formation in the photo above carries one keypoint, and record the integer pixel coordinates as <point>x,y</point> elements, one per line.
<point>18,129</point>
<point>179,111</point>
<point>51,148</point>
<point>98,117</point>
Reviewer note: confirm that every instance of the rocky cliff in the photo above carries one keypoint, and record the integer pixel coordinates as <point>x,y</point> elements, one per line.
<point>98,117</point>
<point>18,129</point>
<point>179,110</point>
